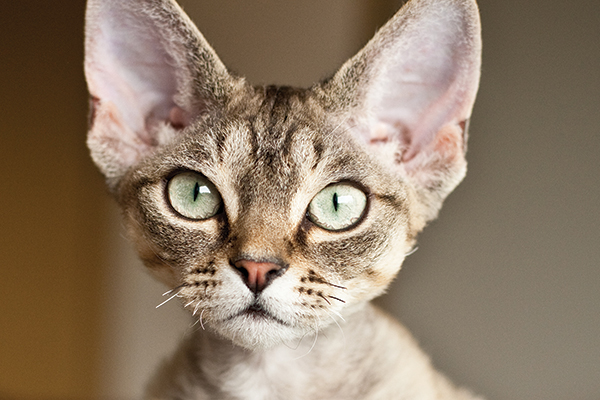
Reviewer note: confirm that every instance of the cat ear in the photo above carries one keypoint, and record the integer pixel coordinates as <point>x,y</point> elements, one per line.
<point>149,72</point>
<point>413,86</point>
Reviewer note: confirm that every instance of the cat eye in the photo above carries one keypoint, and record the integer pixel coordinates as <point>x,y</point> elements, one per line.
<point>193,196</point>
<point>337,207</point>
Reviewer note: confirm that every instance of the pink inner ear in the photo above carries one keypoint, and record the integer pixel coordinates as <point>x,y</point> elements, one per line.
<point>128,65</point>
<point>179,119</point>
<point>94,104</point>
<point>380,134</point>
<point>450,142</point>
<point>424,75</point>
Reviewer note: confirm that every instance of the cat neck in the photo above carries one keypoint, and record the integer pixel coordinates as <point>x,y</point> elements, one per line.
<point>288,367</point>
<point>339,363</point>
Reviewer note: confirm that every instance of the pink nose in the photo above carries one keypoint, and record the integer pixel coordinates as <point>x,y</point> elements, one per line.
<point>258,275</point>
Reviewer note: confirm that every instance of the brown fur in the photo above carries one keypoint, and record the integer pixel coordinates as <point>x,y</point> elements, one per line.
<point>269,151</point>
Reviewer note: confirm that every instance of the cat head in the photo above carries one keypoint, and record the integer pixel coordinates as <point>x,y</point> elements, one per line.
<point>269,209</point>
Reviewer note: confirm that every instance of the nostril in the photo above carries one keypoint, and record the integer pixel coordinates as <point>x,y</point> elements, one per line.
<point>242,270</point>
<point>258,275</point>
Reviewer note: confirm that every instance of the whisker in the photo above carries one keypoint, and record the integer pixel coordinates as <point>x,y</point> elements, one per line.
<point>347,129</point>
<point>412,251</point>
<point>174,289</point>
<point>316,336</point>
<point>317,320</point>
<point>339,326</point>
<point>336,286</point>
<point>286,344</point>
<point>324,298</point>
<point>320,279</point>
<point>314,343</point>
<point>337,314</point>
<point>167,300</point>
<point>294,348</point>
<point>342,123</point>
<point>336,298</point>
<point>299,342</point>
<point>339,125</point>
<point>196,309</point>
<point>201,322</point>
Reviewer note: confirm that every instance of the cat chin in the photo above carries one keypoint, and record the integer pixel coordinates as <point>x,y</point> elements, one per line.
<point>254,332</point>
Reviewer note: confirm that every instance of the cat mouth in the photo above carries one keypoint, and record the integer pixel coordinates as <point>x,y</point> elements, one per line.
<point>256,312</point>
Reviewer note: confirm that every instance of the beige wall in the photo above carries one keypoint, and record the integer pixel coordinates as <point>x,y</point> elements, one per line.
<point>503,291</point>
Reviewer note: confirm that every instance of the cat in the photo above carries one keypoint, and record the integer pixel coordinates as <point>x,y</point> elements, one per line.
<point>275,214</point>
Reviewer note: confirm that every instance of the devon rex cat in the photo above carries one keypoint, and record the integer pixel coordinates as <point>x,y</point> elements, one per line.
<point>275,214</point>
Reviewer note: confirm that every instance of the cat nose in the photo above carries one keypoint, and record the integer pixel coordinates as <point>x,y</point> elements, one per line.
<point>258,275</point>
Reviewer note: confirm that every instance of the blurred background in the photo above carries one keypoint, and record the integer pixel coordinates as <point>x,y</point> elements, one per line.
<point>504,292</point>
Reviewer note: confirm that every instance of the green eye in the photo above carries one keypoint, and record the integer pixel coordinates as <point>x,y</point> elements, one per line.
<point>337,207</point>
<point>193,196</point>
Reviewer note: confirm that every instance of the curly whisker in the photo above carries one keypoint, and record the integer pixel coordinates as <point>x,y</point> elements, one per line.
<point>294,348</point>
<point>194,324</point>
<point>412,251</point>
<point>312,315</point>
<point>196,309</point>
<point>201,322</point>
<point>337,323</point>
<point>316,335</point>
<point>337,314</point>
<point>314,343</point>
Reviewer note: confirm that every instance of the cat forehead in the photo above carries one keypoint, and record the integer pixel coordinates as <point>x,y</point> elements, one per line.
<point>278,131</point>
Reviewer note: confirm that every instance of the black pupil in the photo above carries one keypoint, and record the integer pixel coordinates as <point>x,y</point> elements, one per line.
<point>335,201</point>
<point>196,191</point>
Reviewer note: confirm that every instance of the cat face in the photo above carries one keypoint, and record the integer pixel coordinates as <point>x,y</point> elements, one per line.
<point>276,169</point>
<point>273,210</point>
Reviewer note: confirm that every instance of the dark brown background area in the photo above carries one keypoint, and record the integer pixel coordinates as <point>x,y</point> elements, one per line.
<point>49,207</point>
<point>504,292</point>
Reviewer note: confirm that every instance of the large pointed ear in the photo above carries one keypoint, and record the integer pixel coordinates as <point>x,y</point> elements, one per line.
<point>149,72</point>
<point>413,86</point>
